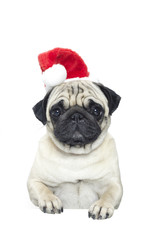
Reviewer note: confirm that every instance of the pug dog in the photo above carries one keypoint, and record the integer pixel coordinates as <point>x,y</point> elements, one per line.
<point>76,165</point>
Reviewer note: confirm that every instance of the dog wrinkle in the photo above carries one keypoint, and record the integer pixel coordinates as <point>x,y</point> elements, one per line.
<point>80,97</point>
<point>77,92</point>
<point>81,90</point>
<point>72,90</point>
<point>90,89</point>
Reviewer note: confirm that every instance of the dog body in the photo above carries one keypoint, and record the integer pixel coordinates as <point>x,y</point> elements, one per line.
<point>76,165</point>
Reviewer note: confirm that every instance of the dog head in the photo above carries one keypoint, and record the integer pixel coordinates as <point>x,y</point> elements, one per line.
<point>77,114</point>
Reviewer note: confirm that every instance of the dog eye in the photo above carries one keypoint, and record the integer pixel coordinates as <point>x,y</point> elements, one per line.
<point>96,111</point>
<point>56,112</point>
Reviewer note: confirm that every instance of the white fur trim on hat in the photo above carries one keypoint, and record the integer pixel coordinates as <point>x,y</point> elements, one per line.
<point>54,75</point>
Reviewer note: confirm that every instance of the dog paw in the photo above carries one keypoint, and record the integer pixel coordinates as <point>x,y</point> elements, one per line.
<point>50,204</point>
<point>101,210</point>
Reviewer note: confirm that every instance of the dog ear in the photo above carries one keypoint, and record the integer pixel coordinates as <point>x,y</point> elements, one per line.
<point>112,97</point>
<point>40,109</point>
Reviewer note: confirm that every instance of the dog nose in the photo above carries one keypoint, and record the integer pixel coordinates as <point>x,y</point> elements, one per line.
<point>77,117</point>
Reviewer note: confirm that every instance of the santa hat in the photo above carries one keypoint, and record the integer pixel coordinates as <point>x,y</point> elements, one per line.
<point>61,64</point>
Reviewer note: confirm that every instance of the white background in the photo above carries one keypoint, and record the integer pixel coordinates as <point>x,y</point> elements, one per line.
<point>120,43</point>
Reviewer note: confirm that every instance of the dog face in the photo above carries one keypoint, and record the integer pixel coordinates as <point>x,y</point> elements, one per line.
<point>77,114</point>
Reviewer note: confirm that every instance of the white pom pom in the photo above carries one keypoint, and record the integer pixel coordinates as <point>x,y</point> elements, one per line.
<point>54,75</point>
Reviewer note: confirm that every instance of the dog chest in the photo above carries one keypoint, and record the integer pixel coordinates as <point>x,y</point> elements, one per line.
<point>55,167</point>
<point>60,170</point>
<point>78,195</point>
<point>54,173</point>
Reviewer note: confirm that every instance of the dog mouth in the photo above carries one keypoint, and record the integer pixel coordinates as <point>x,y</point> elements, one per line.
<point>77,139</point>
<point>77,136</point>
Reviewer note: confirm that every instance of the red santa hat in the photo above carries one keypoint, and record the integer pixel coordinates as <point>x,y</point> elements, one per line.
<point>61,64</point>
